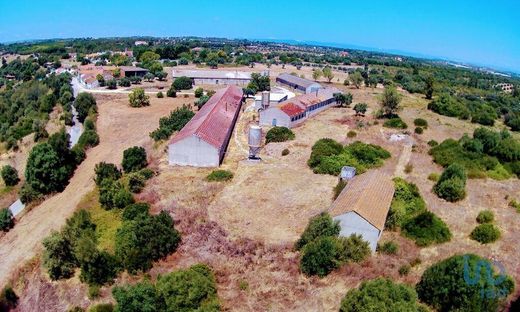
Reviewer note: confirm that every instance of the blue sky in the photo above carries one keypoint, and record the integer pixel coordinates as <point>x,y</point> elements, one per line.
<point>480,32</point>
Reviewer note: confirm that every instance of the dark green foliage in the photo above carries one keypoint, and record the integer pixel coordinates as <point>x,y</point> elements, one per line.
<point>485,216</point>
<point>171,92</point>
<point>8,299</point>
<point>182,83</point>
<point>444,287</point>
<point>259,83</point>
<point>177,119</point>
<point>113,194</point>
<point>124,82</point>
<point>338,188</point>
<point>27,194</point>
<point>146,173</point>
<point>45,171</point>
<point>201,101</point>
<point>396,123</point>
<point>135,211</point>
<point>360,108</point>
<point>199,92</point>
<point>89,124</point>
<point>10,175</point>
<point>193,289</point>
<point>83,104</point>
<point>160,95</point>
<point>426,229</point>
<point>406,204</point>
<point>389,247</point>
<point>447,105</point>
<point>279,134</point>
<point>328,156</point>
<point>100,268</point>
<point>485,233</point>
<point>136,183</point>
<point>141,297</point>
<point>433,143</point>
<point>134,159</point>
<point>102,307</point>
<point>390,100</point>
<point>321,225</point>
<point>380,295</point>
<point>452,183</point>
<point>111,84</point>
<point>58,257</point>
<point>484,115</point>
<point>320,256</point>
<point>89,138</point>
<point>418,130</point>
<point>145,239</point>
<point>6,219</point>
<point>420,122</point>
<point>219,175</point>
<point>353,248</point>
<point>104,171</point>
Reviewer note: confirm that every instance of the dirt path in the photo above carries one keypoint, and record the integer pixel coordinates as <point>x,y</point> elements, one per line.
<point>119,127</point>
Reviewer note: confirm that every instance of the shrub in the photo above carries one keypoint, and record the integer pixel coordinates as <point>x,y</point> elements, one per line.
<point>448,105</point>
<point>419,122</point>
<point>485,233</point>
<point>6,219</point>
<point>136,183</point>
<point>83,104</point>
<point>145,239</point>
<point>99,268</point>
<point>136,210</point>
<point>404,269</point>
<point>485,216</point>
<point>27,194</point>
<point>433,177</point>
<point>219,175</point>
<point>139,297</point>
<point>58,257</point>
<point>134,159</point>
<point>432,143</point>
<point>321,225</point>
<point>360,108</point>
<point>426,229</point>
<point>104,171</point>
<point>137,98</point>
<point>199,92</point>
<point>177,119</point>
<point>160,95</point>
<point>112,194</point>
<point>8,299</point>
<point>408,168</point>
<point>419,130</point>
<point>89,138</point>
<point>102,307</point>
<point>89,124</point>
<point>201,101</point>
<point>171,92</point>
<point>111,84</point>
<point>514,204</point>
<point>93,292</point>
<point>182,83</point>
<point>10,175</point>
<point>444,287</point>
<point>396,123</point>
<point>338,188</point>
<point>389,247</point>
<point>380,295</point>
<point>351,134</point>
<point>279,134</point>
<point>320,256</point>
<point>452,183</point>
<point>353,248</point>
<point>285,152</point>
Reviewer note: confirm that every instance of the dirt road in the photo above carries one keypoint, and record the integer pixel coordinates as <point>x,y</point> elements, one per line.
<point>119,127</point>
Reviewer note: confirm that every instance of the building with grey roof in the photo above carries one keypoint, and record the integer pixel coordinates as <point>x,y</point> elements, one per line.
<point>215,77</point>
<point>297,83</point>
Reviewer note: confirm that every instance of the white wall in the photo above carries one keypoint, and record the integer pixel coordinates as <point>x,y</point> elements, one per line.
<point>192,151</point>
<point>267,116</point>
<point>225,82</point>
<point>353,223</point>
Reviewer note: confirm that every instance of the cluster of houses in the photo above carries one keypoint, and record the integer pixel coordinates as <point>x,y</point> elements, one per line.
<point>88,74</point>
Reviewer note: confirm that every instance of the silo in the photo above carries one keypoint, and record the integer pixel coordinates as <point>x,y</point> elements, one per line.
<point>265,99</point>
<point>254,141</point>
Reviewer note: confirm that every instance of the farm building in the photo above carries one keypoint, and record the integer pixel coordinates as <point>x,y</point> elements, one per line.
<point>362,206</point>
<point>204,139</point>
<point>297,83</point>
<point>267,98</point>
<point>296,110</point>
<point>215,77</point>
<point>131,71</point>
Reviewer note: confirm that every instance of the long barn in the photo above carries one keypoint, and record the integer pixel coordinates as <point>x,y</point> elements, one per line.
<point>204,139</point>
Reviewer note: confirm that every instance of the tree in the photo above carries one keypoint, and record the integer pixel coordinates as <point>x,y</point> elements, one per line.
<point>327,73</point>
<point>83,104</point>
<point>356,79</point>
<point>145,239</point>
<point>360,108</point>
<point>177,119</point>
<point>343,99</point>
<point>10,175</point>
<point>429,86</point>
<point>125,82</point>
<point>279,134</point>
<point>112,84</point>
<point>463,283</point>
<point>149,57</point>
<point>316,74</point>
<point>58,257</point>
<point>451,184</point>
<point>321,225</point>
<point>134,159</point>
<point>380,295</point>
<point>141,297</point>
<point>113,194</point>
<point>161,75</point>
<point>99,269</point>
<point>320,256</point>
<point>149,77</point>
<point>6,219</point>
<point>45,173</point>
<point>199,92</point>
<point>101,80</point>
<point>201,101</point>
<point>182,83</point>
<point>138,98</point>
<point>390,101</point>
<point>259,83</point>
<point>104,171</point>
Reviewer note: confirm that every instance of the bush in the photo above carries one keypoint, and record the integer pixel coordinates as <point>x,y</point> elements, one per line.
<point>136,210</point>
<point>145,239</point>
<point>321,256</point>
<point>58,257</point>
<point>279,134</point>
<point>83,104</point>
<point>404,269</point>
<point>201,101</point>
<point>99,268</point>
<point>104,171</point>
<point>134,159</point>
<point>319,226</point>
<point>139,297</point>
<point>199,92</point>
<point>6,219</point>
<point>433,177</point>
<point>88,124</point>
<point>124,82</point>
<point>338,188</point>
<point>426,229</point>
<point>160,95</point>
<point>10,175</point>
<point>444,287</point>
<point>396,123</point>
<point>89,138</point>
<point>485,233</point>
<point>380,295</point>
<point>448,105</point>
<point>432,143</point>
<point>389,248</point>
<point>112,194</point>
<point>419,122</point>
<point>136,183</point>
<point>171,92</point>
<point>27,194</point>
<point>177,119</point>
<point>285,152</point>
<point>514,204</point>
<point>93,292</point>
<point>102,307</point>
<point>351,134</point>
<point>138,98</point>
<point>182,83</point>
<point>485,216</point>
<point>418,130</point>
<point>111,84</point>
<point>408,168</point>
<point>219,175</point>
<point>353,248</point>
<point>452,183</point>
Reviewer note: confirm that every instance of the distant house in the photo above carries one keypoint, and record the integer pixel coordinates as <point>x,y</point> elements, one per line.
<point>131,71</point>
<point>296,110</point>
<point>297,83</point>
<point>204,139</point>
<point>141,43</point>
<point>505,87</point>
<point>215,77</point>
<point>361,208</point>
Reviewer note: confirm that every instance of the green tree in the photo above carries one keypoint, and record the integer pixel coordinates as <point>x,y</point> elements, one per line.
<point>390,101</point>
<point>6,219</point>
<point>104,171</point>
<point>321,256</point>
<point>327,73</point>
<point>141,297</point>
<point>199,92</point>
<point>356,79</point>
<point>58,257</point>
<point>316,74</point>
<point>182,83</point>
<point>83,104</point>
<point>138,98</point>
<point>279,134</point>
<point>10,175</point>
<point>429,86</point>
<point>259,83</point>
<point>360,108</point>
<point>149,77</point>
<point>112,84</point>
<point>45,172</point>
<point>134,159</point>
<point>320,225</point>
<point>380,295</point>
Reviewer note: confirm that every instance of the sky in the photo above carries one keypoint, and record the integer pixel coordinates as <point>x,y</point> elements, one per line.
<point>476,32</point>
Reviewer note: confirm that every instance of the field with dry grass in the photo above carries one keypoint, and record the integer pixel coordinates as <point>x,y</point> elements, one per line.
<point>245,228</point>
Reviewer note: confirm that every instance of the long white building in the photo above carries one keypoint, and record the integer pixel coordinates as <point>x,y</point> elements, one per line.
<point>215,77</point>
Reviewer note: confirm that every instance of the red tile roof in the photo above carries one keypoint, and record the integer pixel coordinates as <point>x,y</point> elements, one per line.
<point>291,109</point>
<point>214,120</point>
